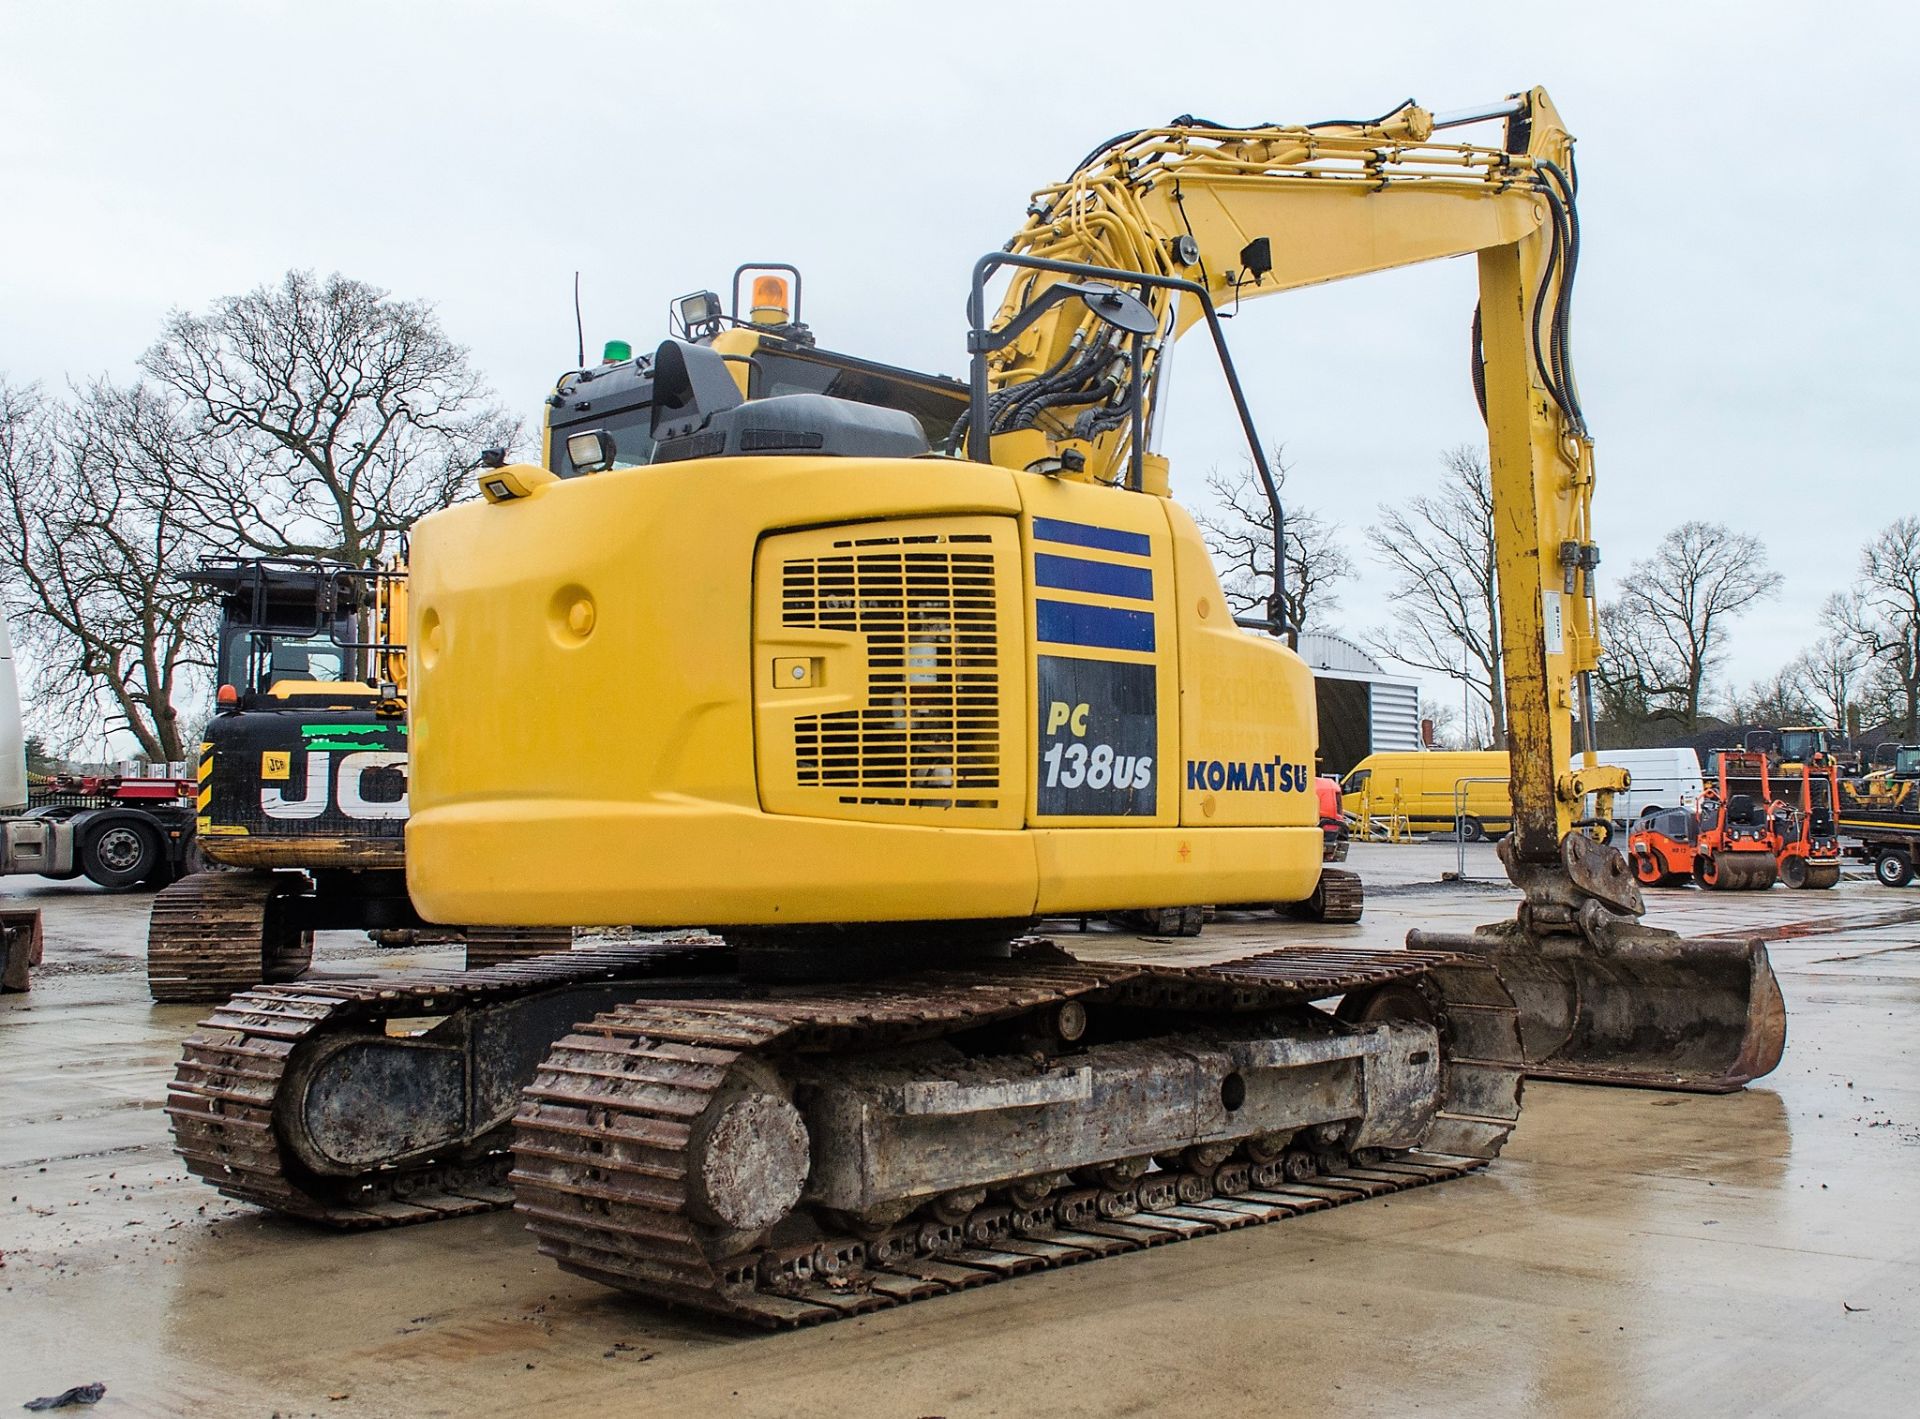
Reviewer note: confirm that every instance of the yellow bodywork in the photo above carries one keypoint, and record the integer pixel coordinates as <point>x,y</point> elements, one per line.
<point>625,633</point>
<point>676,756</point>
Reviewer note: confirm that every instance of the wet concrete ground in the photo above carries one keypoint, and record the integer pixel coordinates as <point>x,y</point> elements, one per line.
<point>1630,1253</point>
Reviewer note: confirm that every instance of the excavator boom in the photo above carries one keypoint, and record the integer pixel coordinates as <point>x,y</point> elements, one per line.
<point>1207,215</point>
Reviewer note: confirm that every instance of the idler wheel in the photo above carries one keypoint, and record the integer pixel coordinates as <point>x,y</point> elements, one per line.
<point>748,1161</point>
<point>1119,1175</point>
<point>1266,1148</point>
<point>954,1207</point>
<point>1203,1158</point>
<point>1031,1192</point>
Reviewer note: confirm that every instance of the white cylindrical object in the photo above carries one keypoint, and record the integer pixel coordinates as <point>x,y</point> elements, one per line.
<point>13,746</point>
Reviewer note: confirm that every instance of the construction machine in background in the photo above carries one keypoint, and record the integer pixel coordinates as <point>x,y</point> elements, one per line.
<point>908,688</point>
<point>1809,852</point>
<point>302,783</point>
<point>1733,841</point>
<point>1879,813</point>
<point>1797,744</point>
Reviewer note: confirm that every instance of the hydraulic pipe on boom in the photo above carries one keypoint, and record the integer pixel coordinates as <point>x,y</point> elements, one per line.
<point>1241,213</point>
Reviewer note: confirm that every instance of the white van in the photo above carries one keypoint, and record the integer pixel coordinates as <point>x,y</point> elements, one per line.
<point>1661,778</point>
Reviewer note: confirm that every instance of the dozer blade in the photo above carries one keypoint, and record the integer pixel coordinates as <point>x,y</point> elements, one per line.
<point>1606,1000</point>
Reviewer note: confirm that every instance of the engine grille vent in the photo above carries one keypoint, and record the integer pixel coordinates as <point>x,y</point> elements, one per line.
<point>930,736</point>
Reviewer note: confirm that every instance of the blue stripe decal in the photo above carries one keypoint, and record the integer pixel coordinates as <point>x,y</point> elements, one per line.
<point>1083,534</point>
<point>1105,578</point>
<point>1103,627</point>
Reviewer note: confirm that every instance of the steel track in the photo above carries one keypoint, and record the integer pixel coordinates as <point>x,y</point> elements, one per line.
<point>1342,897</point>
<point>601,1168</point>
<point>488,946</point>
<point>224,1091</point>
<point>207,938</point>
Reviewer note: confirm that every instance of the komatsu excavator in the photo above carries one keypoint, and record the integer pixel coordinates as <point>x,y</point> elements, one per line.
<point>866,696</point>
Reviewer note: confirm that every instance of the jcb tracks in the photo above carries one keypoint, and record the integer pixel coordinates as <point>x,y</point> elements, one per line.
<point>213,933</point>
<point>234,1071</point>
<point>657,1153</point>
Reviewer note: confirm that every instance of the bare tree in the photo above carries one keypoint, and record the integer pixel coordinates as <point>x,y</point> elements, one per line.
<point>1881,615</point>
<point>1240,536</point>
<point>92,533</point>
<point>330,415</point>
<point>1669,624</point>
<point>1446,593</point>
<point>1625,705</point>
<point>1778,700</point>
<point>1828,674</point>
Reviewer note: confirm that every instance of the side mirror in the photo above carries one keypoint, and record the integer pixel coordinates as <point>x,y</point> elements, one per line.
<point>1117,308</point>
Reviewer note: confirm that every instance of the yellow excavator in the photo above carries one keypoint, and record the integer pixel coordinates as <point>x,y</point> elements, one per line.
<point>865,692</point>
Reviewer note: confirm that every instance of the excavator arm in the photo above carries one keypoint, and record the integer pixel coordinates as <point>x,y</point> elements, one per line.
<point>1210,217</point>
<point>1244,213</point>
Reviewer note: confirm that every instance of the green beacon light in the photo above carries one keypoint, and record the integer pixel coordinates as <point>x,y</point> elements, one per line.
<point>618,352</point>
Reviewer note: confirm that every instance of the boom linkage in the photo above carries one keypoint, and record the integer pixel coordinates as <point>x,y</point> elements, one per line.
<point>1195,216</point>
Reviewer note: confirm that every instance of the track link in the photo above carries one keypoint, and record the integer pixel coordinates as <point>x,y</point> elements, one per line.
<point>222,1098</point>
<point>209,937</point>
<point>602,1163</point>
<point>496,945</point>
<point>1342,898</point>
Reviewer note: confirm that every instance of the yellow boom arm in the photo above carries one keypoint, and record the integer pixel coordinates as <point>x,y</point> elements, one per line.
<point>1252,212</point>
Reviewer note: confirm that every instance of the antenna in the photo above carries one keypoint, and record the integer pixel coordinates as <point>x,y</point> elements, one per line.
<point>579,329</point>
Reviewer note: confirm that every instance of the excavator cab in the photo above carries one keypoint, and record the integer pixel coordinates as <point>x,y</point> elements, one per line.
<point>602,418</point>
<point>294,629</point>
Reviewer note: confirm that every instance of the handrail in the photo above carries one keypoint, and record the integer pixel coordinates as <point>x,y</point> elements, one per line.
<point>1460,822</point>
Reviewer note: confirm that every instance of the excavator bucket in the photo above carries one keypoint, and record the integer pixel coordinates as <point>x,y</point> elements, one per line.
<point>1606,1000</point>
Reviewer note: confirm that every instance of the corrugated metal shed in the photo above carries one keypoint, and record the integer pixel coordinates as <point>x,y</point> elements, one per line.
<point>1362,708</point>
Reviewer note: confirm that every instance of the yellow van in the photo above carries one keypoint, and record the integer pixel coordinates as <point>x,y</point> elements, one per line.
<point>1420,787</point>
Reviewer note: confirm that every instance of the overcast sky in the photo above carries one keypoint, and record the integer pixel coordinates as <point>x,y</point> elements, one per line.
<point>1744,326</point>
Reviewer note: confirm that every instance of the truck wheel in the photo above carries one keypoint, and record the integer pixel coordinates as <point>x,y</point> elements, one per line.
<point>1893,868</point>
<point>1472,830</point>
<point>120,854</point>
